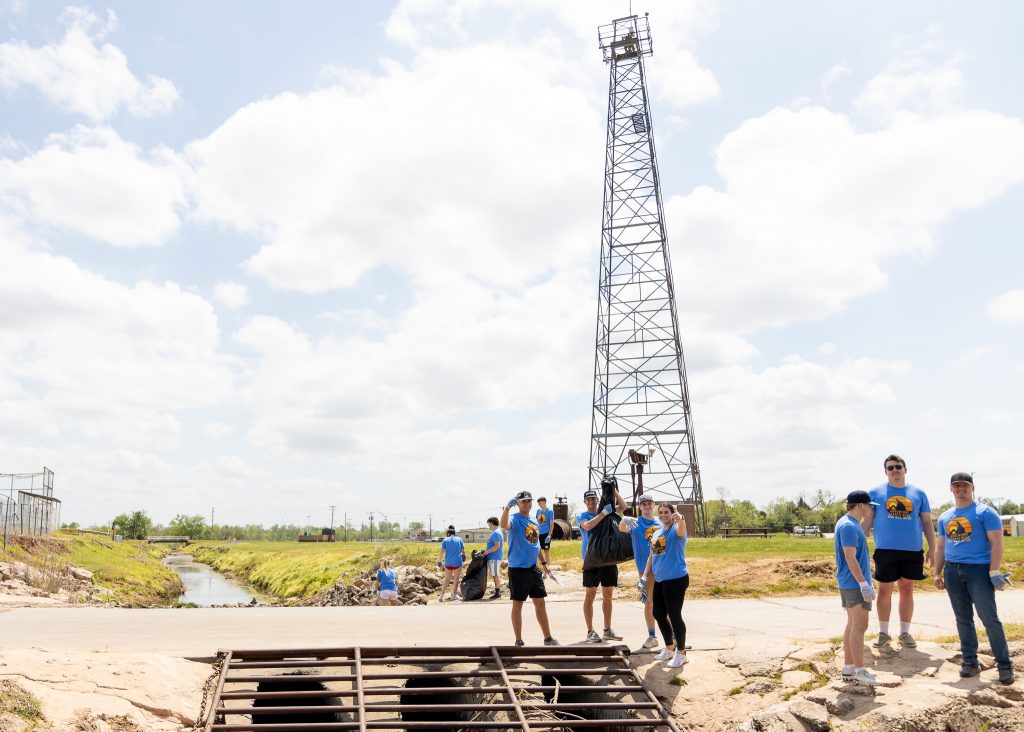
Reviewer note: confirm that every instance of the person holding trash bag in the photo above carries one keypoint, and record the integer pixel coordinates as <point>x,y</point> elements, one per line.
<point>452,556</point>
<point>641,530</point>
<point>967,561</point>
<point>667,563</point>
<point>524,577</point>
<point>607,577</point>
<point>387,586</point>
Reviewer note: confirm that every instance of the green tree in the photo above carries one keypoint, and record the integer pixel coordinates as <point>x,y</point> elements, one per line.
<point>133,526</point>
<point>194,527</point>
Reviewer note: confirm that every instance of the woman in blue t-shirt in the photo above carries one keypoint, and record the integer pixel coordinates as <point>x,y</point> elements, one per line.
<point>387,585</point>
<point>667,563</point>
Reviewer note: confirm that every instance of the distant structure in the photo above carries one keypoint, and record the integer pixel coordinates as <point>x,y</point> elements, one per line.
<point>27,505</point>
<point>642,430</point>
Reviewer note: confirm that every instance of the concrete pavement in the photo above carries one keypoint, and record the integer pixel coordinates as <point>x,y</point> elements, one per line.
<point>757,624</point>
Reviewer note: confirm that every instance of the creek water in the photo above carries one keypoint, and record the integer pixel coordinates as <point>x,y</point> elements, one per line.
<point>205,586</point>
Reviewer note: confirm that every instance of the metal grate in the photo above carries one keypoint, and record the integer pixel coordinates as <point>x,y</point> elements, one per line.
<point>433,688</point>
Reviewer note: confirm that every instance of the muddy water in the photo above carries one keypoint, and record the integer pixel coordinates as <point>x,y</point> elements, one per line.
<point>205,586</point>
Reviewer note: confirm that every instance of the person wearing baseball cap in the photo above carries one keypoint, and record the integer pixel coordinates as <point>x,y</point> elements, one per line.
<point>903,514</point>
<point>524,578</point>
<point>853,575</point>
<point>605,577</point>
<point>640,531</point>
<point>967,566</point>
<point>545,518</point>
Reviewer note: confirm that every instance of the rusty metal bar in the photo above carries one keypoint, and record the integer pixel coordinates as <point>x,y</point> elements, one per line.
<point>650,695</point>
<point>475,674</point>
<point>358,668</point>
<point>433,707</point>
<point>508,688</point>
<point>442,725</point>
<point>404,660</point>
<point>394,690</point>
<point>424,651</point>
<point>218,690</point>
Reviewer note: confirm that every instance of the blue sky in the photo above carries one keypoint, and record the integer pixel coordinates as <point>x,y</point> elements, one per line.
<point>271,261</point>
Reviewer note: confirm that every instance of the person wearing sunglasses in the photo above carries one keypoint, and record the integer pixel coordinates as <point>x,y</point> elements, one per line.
<point>902,515</point>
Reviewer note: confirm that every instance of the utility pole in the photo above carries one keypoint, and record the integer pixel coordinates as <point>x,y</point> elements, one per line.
<point>346,526</point>
<point>332,517</point>
<point>371,526</point>
<point>211,522</point>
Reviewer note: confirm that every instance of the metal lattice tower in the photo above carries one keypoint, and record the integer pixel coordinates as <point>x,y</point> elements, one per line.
<point>641,420</point>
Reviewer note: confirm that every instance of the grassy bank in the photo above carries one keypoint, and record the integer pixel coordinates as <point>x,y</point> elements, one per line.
<point>130,571</point>
<point>747,567</point>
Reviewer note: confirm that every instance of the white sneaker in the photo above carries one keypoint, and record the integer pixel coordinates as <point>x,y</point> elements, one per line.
<point>664,655</point>
<point>677,660</point>
<point>865,678</point>
<point>650,644</point>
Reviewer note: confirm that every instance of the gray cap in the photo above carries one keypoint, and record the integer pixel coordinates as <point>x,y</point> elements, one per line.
<point>647,497</point>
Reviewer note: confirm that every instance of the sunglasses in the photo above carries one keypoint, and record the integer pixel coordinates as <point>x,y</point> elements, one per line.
<point>890,468</point>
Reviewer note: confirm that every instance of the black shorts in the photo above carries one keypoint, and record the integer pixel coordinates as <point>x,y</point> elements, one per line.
<point>545,541</point>
<point>526,582</point>
<point>603,576</point>
<point>895,564</point>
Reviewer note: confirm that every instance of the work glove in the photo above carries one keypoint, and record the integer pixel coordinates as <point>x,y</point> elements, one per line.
<point>439,565</point>
<point>867,592</point>
<point>642,586</point>
<point>630,522</point>
<point>607,509</point>
<point>999,580</point>
<point>511,503</point>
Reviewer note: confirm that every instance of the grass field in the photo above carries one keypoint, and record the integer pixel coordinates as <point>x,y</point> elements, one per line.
<point>130,570</point>
<point>747,567</point>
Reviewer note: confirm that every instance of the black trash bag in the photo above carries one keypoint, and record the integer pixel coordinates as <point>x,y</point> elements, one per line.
<point>474,579</point>
<point>607,545</point>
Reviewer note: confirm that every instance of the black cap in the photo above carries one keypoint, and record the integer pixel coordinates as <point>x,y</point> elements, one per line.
<point>524,496</point>
<point>541,498</point>
<point>590,493</point>
<point>860,497</point>
<point>961,478</point>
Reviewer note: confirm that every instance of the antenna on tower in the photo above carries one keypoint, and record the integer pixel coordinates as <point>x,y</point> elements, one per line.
<point>642,429</point>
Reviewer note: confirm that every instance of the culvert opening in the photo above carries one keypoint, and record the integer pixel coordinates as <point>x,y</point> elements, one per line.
<point>295,697</point>
<point>585,704</point>
<point>447,704</point>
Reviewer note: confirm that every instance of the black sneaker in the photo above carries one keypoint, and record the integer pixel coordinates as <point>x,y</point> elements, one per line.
<point>496,595</point>
<point>519,644</point>
<point>1006,676</point>
<point>967,671</point>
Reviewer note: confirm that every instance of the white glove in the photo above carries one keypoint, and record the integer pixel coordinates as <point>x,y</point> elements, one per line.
<point>999,580</point>
<point>607,509</point>
<point>642,584</point>
<point>867,592</point>
<point>630,522</point>
<point>511,503</point>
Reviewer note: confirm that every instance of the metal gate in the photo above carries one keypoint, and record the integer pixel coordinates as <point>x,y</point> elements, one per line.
<point>432,688</point>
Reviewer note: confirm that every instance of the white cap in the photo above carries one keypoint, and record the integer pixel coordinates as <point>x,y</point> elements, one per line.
<point>647,497</point>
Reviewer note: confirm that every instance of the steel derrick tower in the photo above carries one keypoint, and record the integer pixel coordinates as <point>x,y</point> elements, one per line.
<point>642,430</point>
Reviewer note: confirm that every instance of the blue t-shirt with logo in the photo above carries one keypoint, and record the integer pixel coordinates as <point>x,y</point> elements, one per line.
<point>495,539</point>
<point>641,535</point>
<point>965,531</point>
<point>523,541</point>
<point>897,521</point>
<point>849,533</point>
<point>454,549</point>
<point>584,534</point>
<point>386,577</point>
<point>544,518</point>
<point>668,552</point>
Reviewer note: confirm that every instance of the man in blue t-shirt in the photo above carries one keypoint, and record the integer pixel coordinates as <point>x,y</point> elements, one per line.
<point>902,515</point>
<point>493,554</point>
<point>545,518</point>
<point>451,557</point>
<point>640,531</point>
<point>605,577</point>
<point>967,566</point>
<point>853,575</point>
<point>524,579</point>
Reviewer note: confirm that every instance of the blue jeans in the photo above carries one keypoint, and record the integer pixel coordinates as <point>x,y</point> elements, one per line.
<point>970,589</point>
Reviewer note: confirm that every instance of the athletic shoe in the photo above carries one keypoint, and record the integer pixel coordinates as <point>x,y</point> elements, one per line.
<point>908,640</point>
<point>593,637</point>
<point>881,640</point>
<point>520,644</point>
<point>969,670</point>
<point>1006,676</point>
<point>865,678</point>
<point>551,642</point>
<point>847,677</point>
<point>496,595</point>
<point>677,660</point>
<point>665,655</point>
<point>610,634</point>
<point>650,644</point>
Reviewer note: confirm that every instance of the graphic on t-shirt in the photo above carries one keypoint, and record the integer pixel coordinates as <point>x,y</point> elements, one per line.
<point>658,547</point>
<point>531,533</point>
<point>542,519</point>
<point>899,507</point>
<point>958,529</point>
<point>649,533</point>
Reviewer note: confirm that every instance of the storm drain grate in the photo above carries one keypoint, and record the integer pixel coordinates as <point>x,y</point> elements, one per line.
<point>433,688</point>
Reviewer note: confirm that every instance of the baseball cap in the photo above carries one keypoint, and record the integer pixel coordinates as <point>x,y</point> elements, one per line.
<point>590,493</point>
<point>860,497</point>
<point>541,498</point>
<point>647,497</point>
<point>961,478</point>
<point>524,496</point>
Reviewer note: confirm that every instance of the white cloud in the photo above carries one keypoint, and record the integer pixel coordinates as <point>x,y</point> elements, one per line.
<point>80,77</point>
<point>232,295</point>
<point>1008,307</point>
<point>92,182</point>
<point>827,349</point>
<point>912,83</point>
<point>831,76</point>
